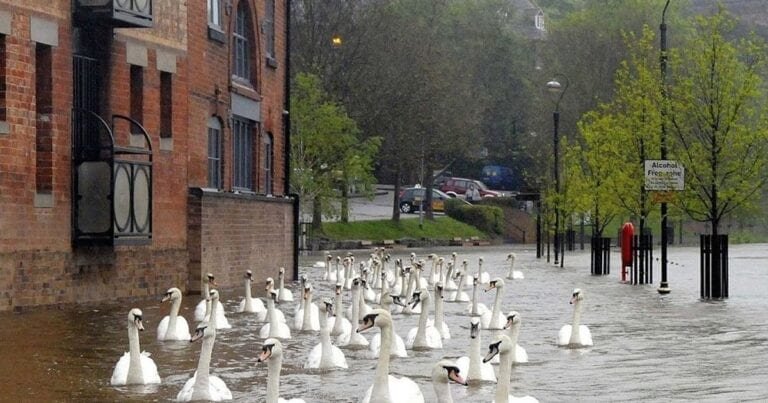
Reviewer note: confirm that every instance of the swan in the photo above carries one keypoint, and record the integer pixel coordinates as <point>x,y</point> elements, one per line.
<point>513,274</point>
<point>325,355</point>
<point>448,280</point>
<point>201,310</point>
<point>415,282</point>
<point>339,324</point>
<point>283,294</point>
<point>440,324</point>
<point>423,336</point>
<point>135,367</point>
<point>398,350</point>
<point>472,365</point>
<point>274,328</point>
<point>503,346</point>
<point>442,373</point>
<point>329,275</point>
<point>483,276</point>
<point>459,295</point>
<point>387,388</point>
<point>202,385</point>
<point>272,351</point>
<point>475,308</point>
<point>494,319</point>
<point>581,338</point>
<point>353,338</point>
<point>519,355</point>
<point>303,280</point>
<point>249,304</point>
<point>433,276</point>
<point>173,326</point>
<point>308,318</point>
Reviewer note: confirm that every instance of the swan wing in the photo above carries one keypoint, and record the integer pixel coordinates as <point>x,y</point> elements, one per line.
<point>200,311</point>
<point>399,348</point>
<point>339,359</point>
<point>463,364</point>
<point>374,346</point>
<point>586,335</point>
<point>411,337</point>
<point>149,369</point>
<point>221,321</point>
<point>120,373</point>
<point>486,372</point>
<point>313,359</point>
<point>218,389</point>
<point>520,354</point>
<point>185,394</point>
<point>564,336</point>
<point>434,339</point>
<point>241,307</point>
<point>404,390</point>
<point>264,331</point>
<point>162,327</point>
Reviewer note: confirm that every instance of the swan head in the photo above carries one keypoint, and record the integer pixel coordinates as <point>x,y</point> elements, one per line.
<point>439,289</point>
<point>446,371</point>
<point>418,296</point>
<point>577,296</point>
<point>378,317</point>
<point>511,256</point>
<point>269,284</point>
<point>513,318</point>
<point>495,283</point>
<point>338,259</point>
<point>213,295</point>
<point>474,327</point>
<point>270,348</point>
<point>464,263</point>
<point>203,330</point>
<point>397,301</point>
<point>304,279</point>
<point>172,294</point>
<point>327,306</point>
<point>307,292</point>
<point>501,345</point>
<point>281,272</point>
<point>338,288</point>
<point>475,280</point>
<point>273,294</point>
<point>480,260</point>
<point>249,275</point>
<point>134,319</point>
<point>328,257</point>
<point>210,279</point>
<point>356,282</point>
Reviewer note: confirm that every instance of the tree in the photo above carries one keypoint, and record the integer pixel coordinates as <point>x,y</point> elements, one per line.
<point>327,156</point>
<point>718,120</point>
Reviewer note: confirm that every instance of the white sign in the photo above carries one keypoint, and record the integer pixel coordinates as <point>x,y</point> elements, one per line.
<point>664,175</point>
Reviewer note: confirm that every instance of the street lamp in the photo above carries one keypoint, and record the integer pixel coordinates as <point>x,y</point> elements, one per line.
<point>557,89</point>
<point>663,286</point>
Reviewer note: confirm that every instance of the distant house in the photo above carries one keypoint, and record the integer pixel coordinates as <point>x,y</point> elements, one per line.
<point>143,145</point>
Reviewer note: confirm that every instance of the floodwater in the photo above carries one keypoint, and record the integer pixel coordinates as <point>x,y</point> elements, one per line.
<point>648,347</point>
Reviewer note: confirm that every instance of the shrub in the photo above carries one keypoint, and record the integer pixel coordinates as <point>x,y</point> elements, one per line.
<point>488,219</point>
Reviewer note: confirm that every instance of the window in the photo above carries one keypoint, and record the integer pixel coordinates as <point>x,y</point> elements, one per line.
<point>242,43</point>
<point>166,105</point>
<point>137,96</point>
<point>214,16</point>
<point>269,30</point>
<point>214,153</point>
<point>242,153</point>
<point>43,132</point>
<point>268,158</point>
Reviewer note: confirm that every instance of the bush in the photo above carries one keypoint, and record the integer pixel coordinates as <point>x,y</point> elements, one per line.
<point>488,219</point>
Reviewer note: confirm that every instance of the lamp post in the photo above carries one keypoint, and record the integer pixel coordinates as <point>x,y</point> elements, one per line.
<point>663,286</point>
<point>558,89</point>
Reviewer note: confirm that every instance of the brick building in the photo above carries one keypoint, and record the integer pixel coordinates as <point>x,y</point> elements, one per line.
<point>143,145</point>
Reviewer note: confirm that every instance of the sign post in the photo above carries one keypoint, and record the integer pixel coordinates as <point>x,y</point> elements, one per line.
<point>662,177</point>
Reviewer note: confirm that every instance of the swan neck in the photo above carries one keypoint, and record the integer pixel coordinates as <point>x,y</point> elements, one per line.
<point>175,306</point>
<point>439,312</point>
<point>443,392</point>
<point>421,333</point>
<point>306,323</point>
<point>339,315</point>
<point>280,290</point>
<point>274,366</point>
<point>248,302</point>
<point>496,307</point>
<point>475,357</point>
<point>326,352</point>
<point>514,333</point>
<point>380,391</point>
<point>204,365</point>
<point>271,313</point>
<point>134,367</point>
<point>575,331</point>
<point>505,371</point>
<point>474,299</point>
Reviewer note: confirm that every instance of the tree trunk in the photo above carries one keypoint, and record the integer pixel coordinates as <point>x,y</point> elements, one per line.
<point>396,196</point>
<point>317,215</point>
<point>344,202</point>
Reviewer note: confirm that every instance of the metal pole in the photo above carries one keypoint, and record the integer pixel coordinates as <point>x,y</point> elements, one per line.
<point>556,120</point>
<point>663,286</point>
<point>538,229</point>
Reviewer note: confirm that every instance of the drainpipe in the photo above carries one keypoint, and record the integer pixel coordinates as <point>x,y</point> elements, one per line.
<point>287,140</point>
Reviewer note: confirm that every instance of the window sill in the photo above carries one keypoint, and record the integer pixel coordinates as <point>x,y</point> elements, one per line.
<point>272,62</point>
<point>5,128</point>
<point>166,143</point>
<point>240,88</point>
<point>216,34</point>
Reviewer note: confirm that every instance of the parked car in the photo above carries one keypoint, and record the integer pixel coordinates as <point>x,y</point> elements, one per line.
<point>458,187</point>
<point>411,199</point>
<point>499,177</point>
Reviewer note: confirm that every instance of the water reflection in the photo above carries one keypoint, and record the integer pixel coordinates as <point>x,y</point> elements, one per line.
<point>647,347</point>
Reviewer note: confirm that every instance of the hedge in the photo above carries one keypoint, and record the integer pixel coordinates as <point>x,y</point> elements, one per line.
<point>488,219</point>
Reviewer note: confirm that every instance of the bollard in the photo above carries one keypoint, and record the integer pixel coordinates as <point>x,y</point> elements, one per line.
<point>627,233</point>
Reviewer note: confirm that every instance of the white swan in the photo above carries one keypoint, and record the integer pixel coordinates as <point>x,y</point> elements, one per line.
<point>581,338</point>
<point>274,328</point>
<point>353,338</point>
<point>519,355</point>
<point>448,279</point>
<point>250,304</point>
<point>459,295</point>
<point>503,346</point>
<point>202,385</point>
<point>325,355</point>
<point>283,294</point>
<point>472,365</point>
<point>307,318</point>
<point>425,335</point>
<point>272,351</point>
<point>442,373</point>
<point>201,310</point>
<point>328,275</point>
<point>135,367</point>
<point>387,388</point>
<point>339,324</point>
<point>173,326</point>
<point>494,319</point>
<point>440,324</point>
<point>398,349</point>
<point>475,308</point>
<point>482,276</point>
<point>513,274</point>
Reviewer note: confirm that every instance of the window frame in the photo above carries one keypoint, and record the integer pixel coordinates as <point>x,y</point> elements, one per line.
<point>269,149</point>
<point>243,133</point>
<point>215,167</point>
<point>242,40</point>
<point>269,33</point>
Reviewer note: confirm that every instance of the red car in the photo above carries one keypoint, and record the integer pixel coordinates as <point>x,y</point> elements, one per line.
<point>458,186</point>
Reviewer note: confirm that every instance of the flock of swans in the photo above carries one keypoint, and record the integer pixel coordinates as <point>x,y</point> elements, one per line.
<point>380,292</point>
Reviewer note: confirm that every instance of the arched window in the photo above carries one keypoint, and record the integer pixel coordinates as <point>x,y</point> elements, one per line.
<point>214,153</point>
<point>242,42</point>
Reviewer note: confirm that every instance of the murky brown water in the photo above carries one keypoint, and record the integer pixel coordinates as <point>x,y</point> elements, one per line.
<point>647,347</point>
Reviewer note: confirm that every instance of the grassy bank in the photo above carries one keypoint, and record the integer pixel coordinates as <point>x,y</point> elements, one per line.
<point>379,230</point>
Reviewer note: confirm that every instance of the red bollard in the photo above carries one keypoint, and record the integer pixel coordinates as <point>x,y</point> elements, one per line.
<point>627,233</point>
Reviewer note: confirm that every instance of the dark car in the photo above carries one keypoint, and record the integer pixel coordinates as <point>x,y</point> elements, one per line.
<point>458,187</point>
<point>499,177</point>
<point>412,198</point>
